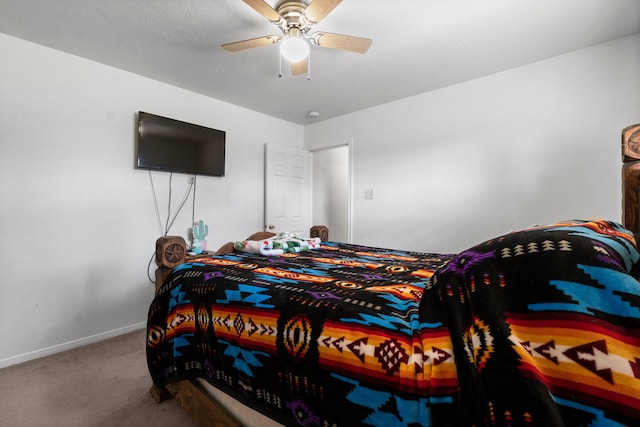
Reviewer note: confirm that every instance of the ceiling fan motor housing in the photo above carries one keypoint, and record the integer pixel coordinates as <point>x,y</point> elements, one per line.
<point>292,13</point>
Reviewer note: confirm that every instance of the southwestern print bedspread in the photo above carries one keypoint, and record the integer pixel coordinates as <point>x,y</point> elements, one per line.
<point>537,327</point>
<point>545,325</point>
<point>329,337</point>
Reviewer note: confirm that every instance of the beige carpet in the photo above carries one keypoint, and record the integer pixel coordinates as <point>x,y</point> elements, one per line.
<point>102,384</point>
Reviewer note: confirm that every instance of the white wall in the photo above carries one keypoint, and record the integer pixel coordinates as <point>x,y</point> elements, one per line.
<point>78,222</point>
<point>453,167</point>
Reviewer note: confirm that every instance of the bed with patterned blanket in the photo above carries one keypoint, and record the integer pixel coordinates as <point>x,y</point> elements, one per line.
<point>536,327</point>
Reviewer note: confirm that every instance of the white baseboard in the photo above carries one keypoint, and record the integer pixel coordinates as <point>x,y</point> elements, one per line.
<point>48,351</point>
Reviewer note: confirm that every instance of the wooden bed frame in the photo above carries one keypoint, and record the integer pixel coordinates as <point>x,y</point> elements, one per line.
<point>631,178</point>
<point>206,410</point>
<point>203,408</point>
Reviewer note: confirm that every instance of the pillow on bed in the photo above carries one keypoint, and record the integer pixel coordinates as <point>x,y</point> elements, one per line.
<point>229,247</point>
<point>261,235</point>
<point>282,243</point>
<point>249,246</point>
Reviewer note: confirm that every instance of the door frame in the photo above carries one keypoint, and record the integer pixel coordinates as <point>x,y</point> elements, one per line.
<point>349,145</point>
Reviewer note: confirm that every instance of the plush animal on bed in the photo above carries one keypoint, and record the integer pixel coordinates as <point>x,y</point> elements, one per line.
<point>285,242</point>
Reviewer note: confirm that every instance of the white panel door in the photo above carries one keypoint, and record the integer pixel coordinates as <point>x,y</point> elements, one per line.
<point>287,190</point>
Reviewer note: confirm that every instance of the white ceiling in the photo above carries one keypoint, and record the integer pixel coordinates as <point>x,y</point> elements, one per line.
<point>418,45</point>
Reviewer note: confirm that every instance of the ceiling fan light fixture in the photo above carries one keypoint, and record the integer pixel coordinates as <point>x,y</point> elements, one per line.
<point>294,49</point>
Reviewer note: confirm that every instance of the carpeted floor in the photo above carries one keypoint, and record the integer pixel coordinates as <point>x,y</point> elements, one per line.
<point>102,384</point>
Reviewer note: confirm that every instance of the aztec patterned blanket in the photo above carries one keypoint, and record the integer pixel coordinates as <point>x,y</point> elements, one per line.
<point>537,327</point>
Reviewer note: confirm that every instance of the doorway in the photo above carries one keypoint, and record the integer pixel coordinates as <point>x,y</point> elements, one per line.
<point>331,191</point>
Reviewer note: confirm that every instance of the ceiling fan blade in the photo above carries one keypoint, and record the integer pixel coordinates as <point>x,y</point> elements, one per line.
<point>318,9</point>
<point>250,43</point>
<point>263,8</point>
<point>342,42</point>
<point>298,68</point>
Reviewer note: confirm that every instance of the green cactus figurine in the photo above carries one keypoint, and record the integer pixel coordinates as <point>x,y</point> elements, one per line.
<point>200,232</point>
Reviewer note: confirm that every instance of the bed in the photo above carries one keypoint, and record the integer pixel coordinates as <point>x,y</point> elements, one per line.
<point>539,326</point>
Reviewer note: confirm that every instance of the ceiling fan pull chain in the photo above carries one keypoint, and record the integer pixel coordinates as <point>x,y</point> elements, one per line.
<point>309,67</point>
<point>280,59</point>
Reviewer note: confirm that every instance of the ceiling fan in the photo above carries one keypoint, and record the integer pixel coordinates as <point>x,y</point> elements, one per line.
<point>296,19</point>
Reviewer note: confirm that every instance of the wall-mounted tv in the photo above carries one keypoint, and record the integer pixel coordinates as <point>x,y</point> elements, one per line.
<point>174,146</point>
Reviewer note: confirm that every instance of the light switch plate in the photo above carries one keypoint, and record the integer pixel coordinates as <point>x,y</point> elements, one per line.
<point>368,194</point>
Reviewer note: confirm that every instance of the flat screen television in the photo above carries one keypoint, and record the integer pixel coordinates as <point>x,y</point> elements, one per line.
<point>173,146</point>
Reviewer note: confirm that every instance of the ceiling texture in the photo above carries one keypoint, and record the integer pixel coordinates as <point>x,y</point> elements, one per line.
<point>418,45</point>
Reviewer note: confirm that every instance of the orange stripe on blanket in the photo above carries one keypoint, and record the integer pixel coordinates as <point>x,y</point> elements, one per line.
<point>253,328</point>
<point>387,256</point>
<point>387,358</point>
<point>423,273</point>
<point>576,321</point>
<point>287,274</point>
<point>347,262</point>
<point>603,363</point>
<point>214,261</point>
<point>182,320</point>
